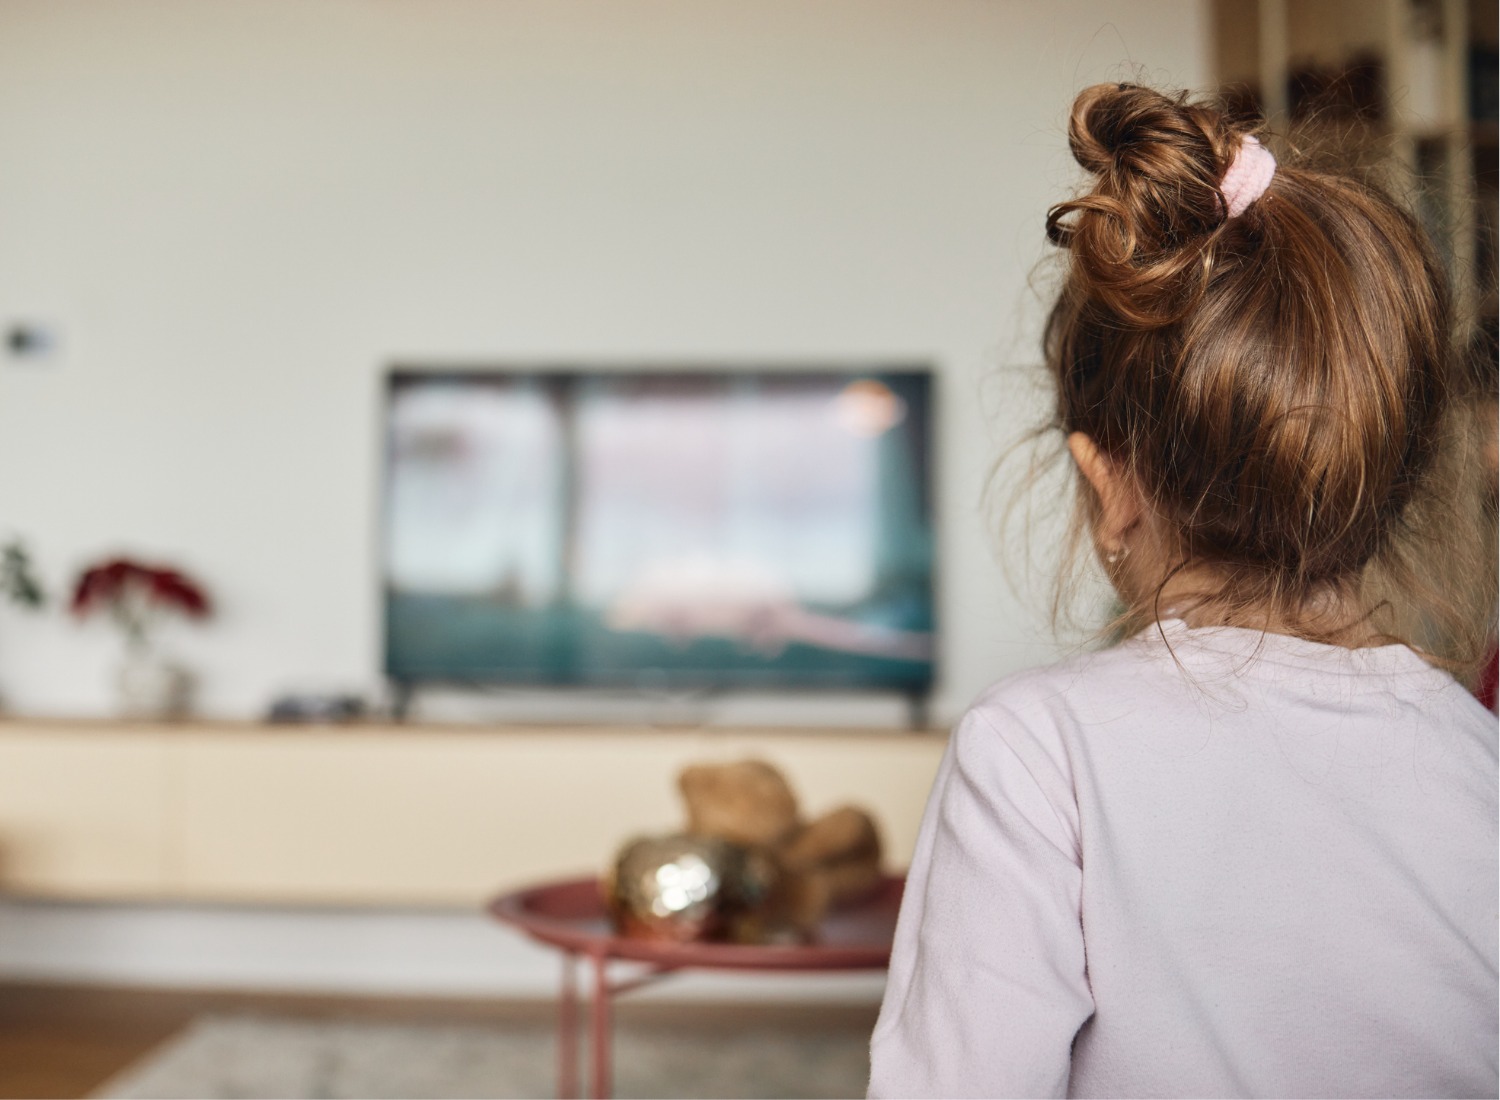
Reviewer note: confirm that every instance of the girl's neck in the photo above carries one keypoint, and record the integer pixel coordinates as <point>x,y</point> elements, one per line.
<point>1329,616</point>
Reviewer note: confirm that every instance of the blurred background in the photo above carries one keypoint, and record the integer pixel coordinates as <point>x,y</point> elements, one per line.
<point>298,296</point>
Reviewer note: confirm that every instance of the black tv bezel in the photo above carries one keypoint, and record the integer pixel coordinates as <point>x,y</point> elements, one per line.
<point>916,694</point>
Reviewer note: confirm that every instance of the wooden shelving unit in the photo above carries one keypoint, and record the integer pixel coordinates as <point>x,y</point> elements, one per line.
<point>1401,89</point>
<point>1484,148</point>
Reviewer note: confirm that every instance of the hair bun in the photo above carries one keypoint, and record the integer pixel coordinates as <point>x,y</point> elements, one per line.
<point>1139,235</point>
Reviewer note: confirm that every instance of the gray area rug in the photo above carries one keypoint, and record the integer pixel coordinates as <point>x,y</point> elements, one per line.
<point>219,1057</point>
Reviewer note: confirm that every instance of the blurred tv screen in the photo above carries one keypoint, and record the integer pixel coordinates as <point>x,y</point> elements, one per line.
<point>659,528</point>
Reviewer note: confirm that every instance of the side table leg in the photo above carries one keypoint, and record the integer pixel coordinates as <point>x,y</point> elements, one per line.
<point>567,1029</point>
<point>601,1063</point>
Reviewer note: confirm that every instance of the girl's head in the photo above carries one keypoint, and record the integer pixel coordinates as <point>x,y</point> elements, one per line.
<point>1255,401</point>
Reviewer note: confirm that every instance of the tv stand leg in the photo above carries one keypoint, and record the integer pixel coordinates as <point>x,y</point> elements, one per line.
<point>401,693</point>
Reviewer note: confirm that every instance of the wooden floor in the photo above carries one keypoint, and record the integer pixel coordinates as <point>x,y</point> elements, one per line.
<point>65,1041</point>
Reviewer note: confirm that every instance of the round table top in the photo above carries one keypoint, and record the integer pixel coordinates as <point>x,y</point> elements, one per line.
<point>571,915</point>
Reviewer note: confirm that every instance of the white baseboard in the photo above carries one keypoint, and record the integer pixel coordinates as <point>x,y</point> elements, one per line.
<point>350,951</point>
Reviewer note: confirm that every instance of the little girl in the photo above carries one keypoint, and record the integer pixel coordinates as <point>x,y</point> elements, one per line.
<point>1250,851</point>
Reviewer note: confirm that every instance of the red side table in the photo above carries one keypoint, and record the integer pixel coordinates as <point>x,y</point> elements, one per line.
<point>570,916</point>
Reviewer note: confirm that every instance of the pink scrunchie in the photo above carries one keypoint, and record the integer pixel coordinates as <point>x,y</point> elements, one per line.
<point>1248,177</point>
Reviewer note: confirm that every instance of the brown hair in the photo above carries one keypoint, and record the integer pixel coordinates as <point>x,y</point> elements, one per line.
<point>1276,385</point>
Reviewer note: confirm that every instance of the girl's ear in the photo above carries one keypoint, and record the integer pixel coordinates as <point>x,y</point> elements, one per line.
<point>1119,504</point>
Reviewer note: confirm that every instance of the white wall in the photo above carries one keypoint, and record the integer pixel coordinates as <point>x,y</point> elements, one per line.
<point>239,213</point>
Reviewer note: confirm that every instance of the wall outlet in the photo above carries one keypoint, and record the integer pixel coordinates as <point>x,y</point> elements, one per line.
<point>33,342</point>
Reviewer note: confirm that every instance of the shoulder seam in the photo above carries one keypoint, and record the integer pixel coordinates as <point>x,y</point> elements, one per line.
<point>1073,848</point>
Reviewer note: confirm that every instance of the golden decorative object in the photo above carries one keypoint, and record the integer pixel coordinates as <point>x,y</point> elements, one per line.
<point>690,888</point>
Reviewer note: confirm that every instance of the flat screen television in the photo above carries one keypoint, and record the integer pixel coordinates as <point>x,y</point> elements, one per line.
<point>662,529</point>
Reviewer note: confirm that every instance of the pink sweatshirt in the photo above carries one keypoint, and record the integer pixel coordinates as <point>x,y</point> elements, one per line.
<point>1243,865</point>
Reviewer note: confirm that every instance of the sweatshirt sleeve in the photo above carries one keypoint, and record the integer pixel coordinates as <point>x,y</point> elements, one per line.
<point>987,986</point>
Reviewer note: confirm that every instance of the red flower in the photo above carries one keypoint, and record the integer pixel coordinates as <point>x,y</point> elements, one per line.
<point>174,590</point>
<point>111,582</point>
<point>103,583</point>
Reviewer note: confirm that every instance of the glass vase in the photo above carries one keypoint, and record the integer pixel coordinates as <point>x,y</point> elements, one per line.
<point>150,686</point>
